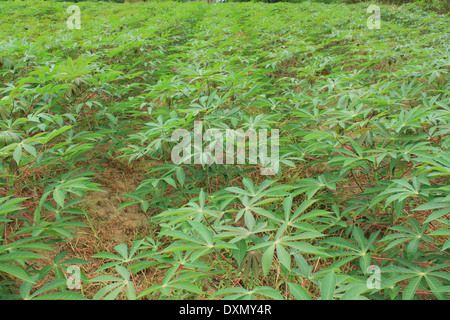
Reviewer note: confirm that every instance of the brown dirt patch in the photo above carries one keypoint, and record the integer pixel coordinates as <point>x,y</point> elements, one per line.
<point>109,225</point>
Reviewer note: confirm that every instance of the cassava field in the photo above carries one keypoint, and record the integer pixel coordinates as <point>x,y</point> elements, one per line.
<point>94,205</point>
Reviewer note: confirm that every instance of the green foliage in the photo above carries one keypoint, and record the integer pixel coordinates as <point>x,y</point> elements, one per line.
<point>364,135</point>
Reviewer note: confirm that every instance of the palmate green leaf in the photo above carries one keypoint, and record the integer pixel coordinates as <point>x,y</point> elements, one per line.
<point>73,69</point>
<point>305,247</point>
<point>20,256</point>
<point>63,295</point>
<point>135,247</point>
<point>341,243</point>
<point>114,290</point>
<point>174,216</point>
<point>238,293</point>
<point>238,191</point>
<point>59,196</point>
<point>15,271</point>
<point>107,255</point>
<point>30,149</point>
<point>328,286</point>
<point>17,154</point>
<point>446,245</point>
<point>313,214</point>
<point>181,235</point>
<point>182,246</point>
<point>354,291</point>
<point>267,214</point>
<point>181,176</point>
<point>131,291</point>
<point>251,262</point>
<point>240,251</point>
<point>438,214</point>
<point>57,132</point>
<point>182,283</point>
<point>9,205</point>
<point>359,237</point>
<point>123,272</point>
<point>396,269</point>
<point>52,285</point>
<point>170,181</point>
<point>224,245</point>
<point>298,291</point>
<point>365,261</point>
<point>283,256</point>
<point>287,205</point>
<point>309,186</point>
<point>298,216</point>
<point>122,249</point>
<point>112,295</point>
<point>335,115</point>
<point>435,287</point>
<point>105,278</point>
<point>445,289</point>
<point>239,233</point>
<point>25,288</point>
<point>108,265</point>
<point>440,274</point>
<point>187,286</point>
<point>267,259</point>
<point>145,205</point>
<point>202,231</point>
<point>31,243</point>
<point>440,232</point>
<point>127,204</point>
<point>357,148</point>
<point>149,290</point>
<point>268,292</point>
<point>411,288</point>
<point>412,247</point>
